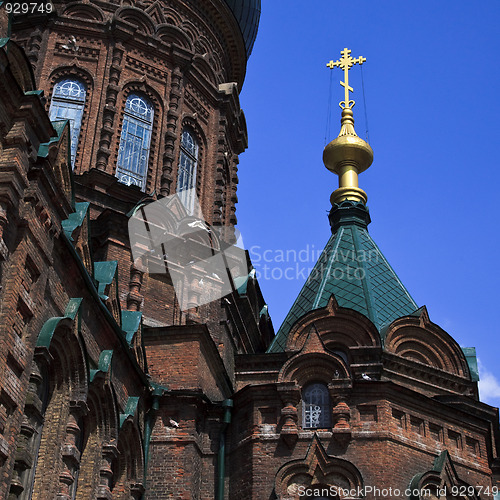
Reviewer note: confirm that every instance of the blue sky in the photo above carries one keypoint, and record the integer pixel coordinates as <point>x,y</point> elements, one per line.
<point>431,84</point>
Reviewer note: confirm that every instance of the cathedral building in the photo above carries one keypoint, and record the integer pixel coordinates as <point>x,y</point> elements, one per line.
<point>130,368</point>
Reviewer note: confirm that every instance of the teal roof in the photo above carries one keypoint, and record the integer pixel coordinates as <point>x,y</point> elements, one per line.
<point>352,269</point>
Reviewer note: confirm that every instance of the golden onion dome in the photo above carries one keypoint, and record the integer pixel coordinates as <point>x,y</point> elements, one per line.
<point>347,156</point>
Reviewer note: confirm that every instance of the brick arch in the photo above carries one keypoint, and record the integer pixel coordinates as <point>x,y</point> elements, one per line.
<point>202,46</point>
<point>137,17</point>
<point>173,35</point>
<point>83,11</point>
<point>313,367</point>
<point>338,328</point>
<point>172,17</point>
<point>317,470</point>
<point>100,427</point>
<point>129,466</point>
<point>202,64</point>
<point>190,30</point>
<point>208,237</point>
<point>216,64</point>
<point>66,368</point>
<point>20,67</point>
<point>142,88</point>
<point>74,71</point>
<point>67,359</point>
<point>422,341</point>
<point>442,476</point>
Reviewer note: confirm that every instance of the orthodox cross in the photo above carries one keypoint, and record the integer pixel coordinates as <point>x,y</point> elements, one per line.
<point>345,63</point>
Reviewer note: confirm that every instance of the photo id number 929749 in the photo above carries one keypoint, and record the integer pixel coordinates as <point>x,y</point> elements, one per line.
<point>29,7</point>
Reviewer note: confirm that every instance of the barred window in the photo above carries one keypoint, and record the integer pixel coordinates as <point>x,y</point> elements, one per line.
<point>68,102</point>
<point>316,406</point>
<point>135,140</point>
<point>188,162</point>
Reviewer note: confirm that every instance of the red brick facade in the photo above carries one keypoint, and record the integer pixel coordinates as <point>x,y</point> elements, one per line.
<point>108,390</point>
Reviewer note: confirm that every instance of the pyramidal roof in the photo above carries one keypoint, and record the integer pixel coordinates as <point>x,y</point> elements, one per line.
<point>352,269</point>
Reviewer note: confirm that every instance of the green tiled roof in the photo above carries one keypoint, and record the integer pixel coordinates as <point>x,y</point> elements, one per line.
<point>354,270</point>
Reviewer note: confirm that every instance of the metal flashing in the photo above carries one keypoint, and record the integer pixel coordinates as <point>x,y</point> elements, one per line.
<point>49,327</point>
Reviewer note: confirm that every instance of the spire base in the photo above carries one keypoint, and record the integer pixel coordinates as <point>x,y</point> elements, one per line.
<point>349,212</point>
<point>350,193</point>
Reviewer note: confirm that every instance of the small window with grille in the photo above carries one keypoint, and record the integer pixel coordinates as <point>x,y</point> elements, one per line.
<point>316,406</point>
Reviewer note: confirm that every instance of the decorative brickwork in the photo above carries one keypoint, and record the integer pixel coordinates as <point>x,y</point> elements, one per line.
<point>108,389</point>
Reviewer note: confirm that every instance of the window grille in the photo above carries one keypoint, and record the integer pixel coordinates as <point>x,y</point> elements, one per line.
<point>316,406</point>
<point>68,103</point>
<point>135,141</point>
<point>186,178</point>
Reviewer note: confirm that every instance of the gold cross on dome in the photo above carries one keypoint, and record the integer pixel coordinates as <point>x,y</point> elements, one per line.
<point>345,63</point>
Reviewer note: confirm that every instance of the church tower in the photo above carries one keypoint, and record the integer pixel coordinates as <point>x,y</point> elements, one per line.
<point>120,381</point>
<point>360,394</point>
<point>111,386</point>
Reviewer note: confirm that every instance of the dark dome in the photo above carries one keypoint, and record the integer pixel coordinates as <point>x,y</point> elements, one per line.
<point>247,13</point>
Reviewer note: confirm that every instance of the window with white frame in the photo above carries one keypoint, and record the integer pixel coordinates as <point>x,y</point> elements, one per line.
<point>188,163</point>
<point>135,141</point>
<point>316,406</point>
<point>68,103</point>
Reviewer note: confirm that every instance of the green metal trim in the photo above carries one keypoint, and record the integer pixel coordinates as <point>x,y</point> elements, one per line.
<point>34,92</point>
<point>49,327</point>
<point>470,357</point>
<point>130,409</point>
<point>241,282</point>
<point>103,365</point>
<point>4,42</point>
<point>43,151</point>
<point>149,198</point>
<point>75,219</point>
<point>264,311</point>
<point>413,486</point>
<point>109,317</point>
<point>131,321</point>
<point>104,273</point>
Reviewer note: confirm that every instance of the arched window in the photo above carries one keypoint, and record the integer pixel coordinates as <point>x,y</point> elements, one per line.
<point>188,162</point>
<point>68,102</point>
<point>132,164</point>
<point>316,406</point>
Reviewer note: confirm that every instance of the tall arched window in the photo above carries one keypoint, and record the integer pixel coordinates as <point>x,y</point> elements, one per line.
<point>135,140</point>
<point>188,162</point>
<point>68,102</point>
<point>316,406</point>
